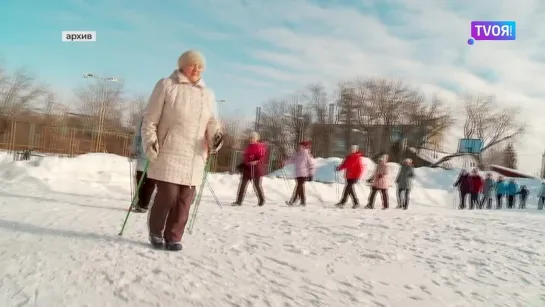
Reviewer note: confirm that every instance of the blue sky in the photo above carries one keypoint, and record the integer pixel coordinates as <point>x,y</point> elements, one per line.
<point>257,50</point>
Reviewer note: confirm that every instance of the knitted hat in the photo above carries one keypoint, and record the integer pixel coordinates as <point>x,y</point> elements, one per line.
<point>354,148</point>
<point>191,57</point>
<point>305,144</point>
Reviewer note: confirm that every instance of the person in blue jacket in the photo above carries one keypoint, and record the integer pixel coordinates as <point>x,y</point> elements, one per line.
<point>148,186</point>
<point>512,191</point>
<point>501,191</point>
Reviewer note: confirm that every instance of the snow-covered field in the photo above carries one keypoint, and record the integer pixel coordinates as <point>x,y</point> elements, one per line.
<point>59,219</point>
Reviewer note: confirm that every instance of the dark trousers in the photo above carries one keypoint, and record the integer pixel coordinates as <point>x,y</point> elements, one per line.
<point>463,196</point>
<point>383,192</point>
<point>403,196</point>
<point>146,190</point>
<point>499,200</point>
<point>522,203</point>
<point>540,203</point>
<point>299,191</point>
<point>244,184</point>
<point>474,201</point>
<point>349,192</point>
<point>170,211</point>
<point>488,201</point>
<point>510,201</point>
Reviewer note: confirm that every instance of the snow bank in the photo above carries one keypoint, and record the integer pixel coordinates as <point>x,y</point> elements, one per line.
<point>101,172</point>
<point>85,172</point>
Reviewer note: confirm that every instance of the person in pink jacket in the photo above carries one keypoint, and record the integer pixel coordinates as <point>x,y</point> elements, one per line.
<point>380,183</point>
<point>304,171</point>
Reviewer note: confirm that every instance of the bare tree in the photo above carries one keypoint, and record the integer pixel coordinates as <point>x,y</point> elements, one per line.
<point>429,121</point>
<point>53,112</point>
<point>485,119</point>
<point>273,126</point>
<point>321,131</point>
<point>19,91</point>
<point>137,106</point>
<point>494,156</point>
<point>347,113</point>
<point>103,103</point>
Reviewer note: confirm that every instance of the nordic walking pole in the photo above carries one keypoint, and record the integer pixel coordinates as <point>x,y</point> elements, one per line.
<point>213,194</point>
<point>317,193</point>
<point>199,195</point>
<point>286,180</point>
<point>135,196</point>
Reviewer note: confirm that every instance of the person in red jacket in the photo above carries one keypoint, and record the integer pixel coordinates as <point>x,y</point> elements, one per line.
<point>353,167</point>
<point>475,188</point>
<point>252,169</point>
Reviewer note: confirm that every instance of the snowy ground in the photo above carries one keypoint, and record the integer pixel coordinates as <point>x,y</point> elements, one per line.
<point>59,220</point>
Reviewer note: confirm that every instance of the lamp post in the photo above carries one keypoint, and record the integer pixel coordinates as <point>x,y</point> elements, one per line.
<point>102,111</point>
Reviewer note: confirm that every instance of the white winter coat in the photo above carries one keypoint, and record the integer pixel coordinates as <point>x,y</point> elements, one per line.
<point>179,124</point>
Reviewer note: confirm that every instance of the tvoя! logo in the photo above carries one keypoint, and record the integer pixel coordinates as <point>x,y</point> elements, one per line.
<point>492,31</point>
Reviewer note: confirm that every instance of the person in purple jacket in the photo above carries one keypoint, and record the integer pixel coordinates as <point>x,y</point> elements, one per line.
<point>304,171</point>
<point>464,185</point>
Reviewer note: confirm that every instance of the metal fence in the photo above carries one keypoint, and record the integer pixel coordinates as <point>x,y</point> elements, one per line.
<point>62,140</point>
<point>30,140</point>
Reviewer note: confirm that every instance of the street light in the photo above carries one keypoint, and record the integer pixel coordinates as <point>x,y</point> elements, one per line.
<point>102,113</point>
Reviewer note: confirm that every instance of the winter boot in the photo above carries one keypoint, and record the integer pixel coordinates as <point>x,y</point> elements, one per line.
<point>289,203</point>
<point>261,203</point>
<point>173,246</point>
<point>234,204</point>
<point>157,242</point>
<point>340,205</point>
<point>355,206</point>
<point>140,209</point>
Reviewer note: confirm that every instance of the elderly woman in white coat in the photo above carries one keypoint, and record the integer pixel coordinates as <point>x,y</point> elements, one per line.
<point>179,131</point>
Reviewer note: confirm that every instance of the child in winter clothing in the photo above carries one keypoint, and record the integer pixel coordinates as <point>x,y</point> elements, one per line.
<point>501,191</point>
<point>252,169</point>
<point>524,193</point>
<point>541,196</point>
<point>464,185</point>
<point>354,168</point>
<point>475,188</point>
<point>380,183</point>
<point>148,186</point>
<point>404,182</point>
<point>512,191</point>
<point>488,189</point>
<point>304,171</point>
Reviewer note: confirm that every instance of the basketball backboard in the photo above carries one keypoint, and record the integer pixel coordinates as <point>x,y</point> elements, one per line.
<point>472,146</point>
